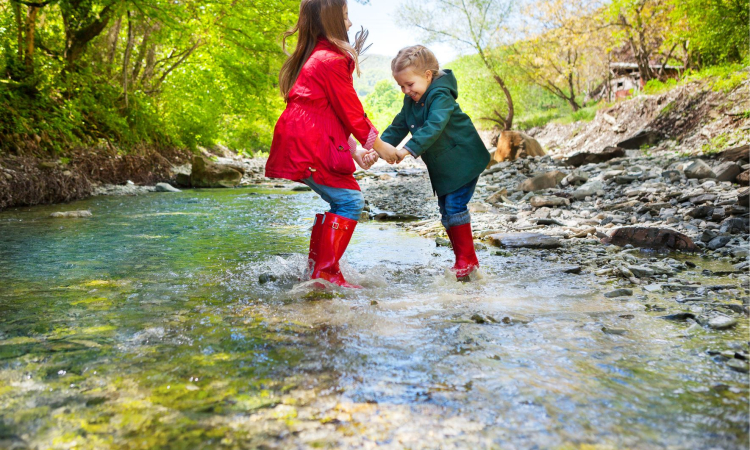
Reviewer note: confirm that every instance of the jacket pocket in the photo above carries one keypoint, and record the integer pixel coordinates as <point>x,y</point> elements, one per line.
<point>340,159</point>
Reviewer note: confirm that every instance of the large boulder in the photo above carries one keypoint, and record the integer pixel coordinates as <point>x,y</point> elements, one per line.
<point>653,238</point>
<point>207,174</point>
<point>512,145</point>
<point>642,138</point>
<point>727,171</point>
<point>700,170</point>
<point>735,154</point>
<point>743,178</point>
<point>581,158</point>
<point>544,181</point>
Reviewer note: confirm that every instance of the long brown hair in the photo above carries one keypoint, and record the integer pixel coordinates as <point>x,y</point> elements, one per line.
<point>318,18</point>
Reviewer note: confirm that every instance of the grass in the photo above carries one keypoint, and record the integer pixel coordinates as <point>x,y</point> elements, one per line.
<point>562,116</point>
<point>724,78</point>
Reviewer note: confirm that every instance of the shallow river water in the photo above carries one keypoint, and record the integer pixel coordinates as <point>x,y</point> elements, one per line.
<point>178,321</point>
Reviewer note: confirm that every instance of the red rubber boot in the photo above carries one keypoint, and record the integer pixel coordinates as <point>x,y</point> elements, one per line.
<point>463,247</point>
<point>314,243</point>
<point>336,232</point>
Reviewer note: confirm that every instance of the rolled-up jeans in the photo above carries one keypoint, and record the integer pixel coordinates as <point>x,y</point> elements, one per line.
<point>348,203</point>
<point>453,206</point>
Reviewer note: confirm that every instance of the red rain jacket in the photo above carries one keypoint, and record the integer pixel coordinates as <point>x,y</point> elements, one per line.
<point>312,134</point>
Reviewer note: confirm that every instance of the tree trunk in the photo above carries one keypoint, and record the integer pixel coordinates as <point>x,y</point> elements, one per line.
<point>126,58</point>
<point>507,121</point>
<point>28,60</point>
<point>18,12</point>
<point>113,39</point>
<point>142,51</point>
<point>78,38</point>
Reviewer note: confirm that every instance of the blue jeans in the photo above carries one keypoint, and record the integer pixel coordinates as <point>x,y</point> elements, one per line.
<point>453,209</point>
<point>348,203</point>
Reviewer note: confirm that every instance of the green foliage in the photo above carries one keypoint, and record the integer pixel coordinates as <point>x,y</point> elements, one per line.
<point>724,78</point>
<point>383,103</point>
<point>717,30</point>
<point>374,68</point>
<point>162,72</point>
<point>480,95</point>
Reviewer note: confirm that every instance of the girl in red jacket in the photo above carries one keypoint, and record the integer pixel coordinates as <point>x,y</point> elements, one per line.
<point>312,141</point>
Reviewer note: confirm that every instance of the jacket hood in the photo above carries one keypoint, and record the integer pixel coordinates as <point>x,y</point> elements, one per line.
<point>446,81</point>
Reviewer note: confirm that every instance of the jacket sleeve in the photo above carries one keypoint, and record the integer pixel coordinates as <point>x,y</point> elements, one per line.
<point>339,88</point>
<point>396,131</point>
<point>441,108</point>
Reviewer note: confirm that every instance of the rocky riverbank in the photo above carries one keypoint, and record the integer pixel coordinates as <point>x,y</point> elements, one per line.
<point>654,210</point>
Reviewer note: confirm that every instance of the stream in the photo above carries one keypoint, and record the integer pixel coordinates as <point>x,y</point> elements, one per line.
<point>179,321</point>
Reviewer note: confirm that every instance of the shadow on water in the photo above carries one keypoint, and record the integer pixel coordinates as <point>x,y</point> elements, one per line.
<point>179,321</point>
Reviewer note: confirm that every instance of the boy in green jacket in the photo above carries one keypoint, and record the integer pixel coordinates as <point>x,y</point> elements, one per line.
<point>447,141</point>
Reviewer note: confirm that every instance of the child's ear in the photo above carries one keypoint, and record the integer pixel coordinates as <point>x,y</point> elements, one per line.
<point>428,75</point>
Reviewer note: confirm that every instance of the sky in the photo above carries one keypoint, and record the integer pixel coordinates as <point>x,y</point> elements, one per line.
<point>386,36</point>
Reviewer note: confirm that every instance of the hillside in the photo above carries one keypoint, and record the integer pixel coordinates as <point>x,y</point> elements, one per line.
<point>692,119</point>
<point>374,68</point>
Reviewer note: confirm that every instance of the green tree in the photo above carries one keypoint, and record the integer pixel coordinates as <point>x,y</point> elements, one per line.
<point>383,103</point>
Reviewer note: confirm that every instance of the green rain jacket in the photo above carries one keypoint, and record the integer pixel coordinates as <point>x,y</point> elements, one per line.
<point>441,134</point>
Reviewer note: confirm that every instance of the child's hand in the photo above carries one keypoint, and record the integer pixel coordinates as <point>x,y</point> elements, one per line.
<point>364,158</point>
<point>401,154</point>
<point>386,151</point>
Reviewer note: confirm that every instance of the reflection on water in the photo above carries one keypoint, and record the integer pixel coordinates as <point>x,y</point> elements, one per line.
<point>179,321</point>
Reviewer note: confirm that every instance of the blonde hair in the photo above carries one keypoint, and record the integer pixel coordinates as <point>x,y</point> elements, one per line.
<point>418,57</point>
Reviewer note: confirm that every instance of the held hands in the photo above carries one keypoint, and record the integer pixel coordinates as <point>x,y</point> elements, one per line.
<point>401,154</point>
<point>386,151</point>
<point>365,158</point>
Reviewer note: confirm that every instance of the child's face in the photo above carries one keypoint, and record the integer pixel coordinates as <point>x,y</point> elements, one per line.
<point>413,83</point>
<point>347,22</point>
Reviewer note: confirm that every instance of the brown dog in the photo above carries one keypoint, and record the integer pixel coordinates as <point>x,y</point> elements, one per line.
<point>514,144</point>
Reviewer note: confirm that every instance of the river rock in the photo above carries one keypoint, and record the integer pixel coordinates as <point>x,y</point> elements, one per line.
<point>700,170</point>
<point>394,217</point>
<point>575,177</point>
<point>641,271</point>
<point>734,225</point>
<point>590,188</point>
<point>207,174</point>
<point>544,181</point>
<point>743,178</point>
<point>183,180</point>
<point>735,154</point>
<point>672,175</point>
<point>643,137</point>
<point>524,240</point>
<point>722,322</point>
<point>718,242</point>
<point>654,238</point>
<point>727,171</point>
<point>619,293</point>
<point>71,214</point>
<point>166,187</point>
<point>581,158</point>
<point>738,365</point>
<point>540,201</point>
<point>498,197</point>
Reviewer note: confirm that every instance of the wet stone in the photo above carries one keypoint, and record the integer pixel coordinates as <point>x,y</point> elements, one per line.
<point>166,187</point>
<point>619,293</point>
<point>71,214</point>
<point>524,240</point>
<point>679,317</point>
<point>614,331</point>
<point>722,322</point>
<point>738,365</point>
